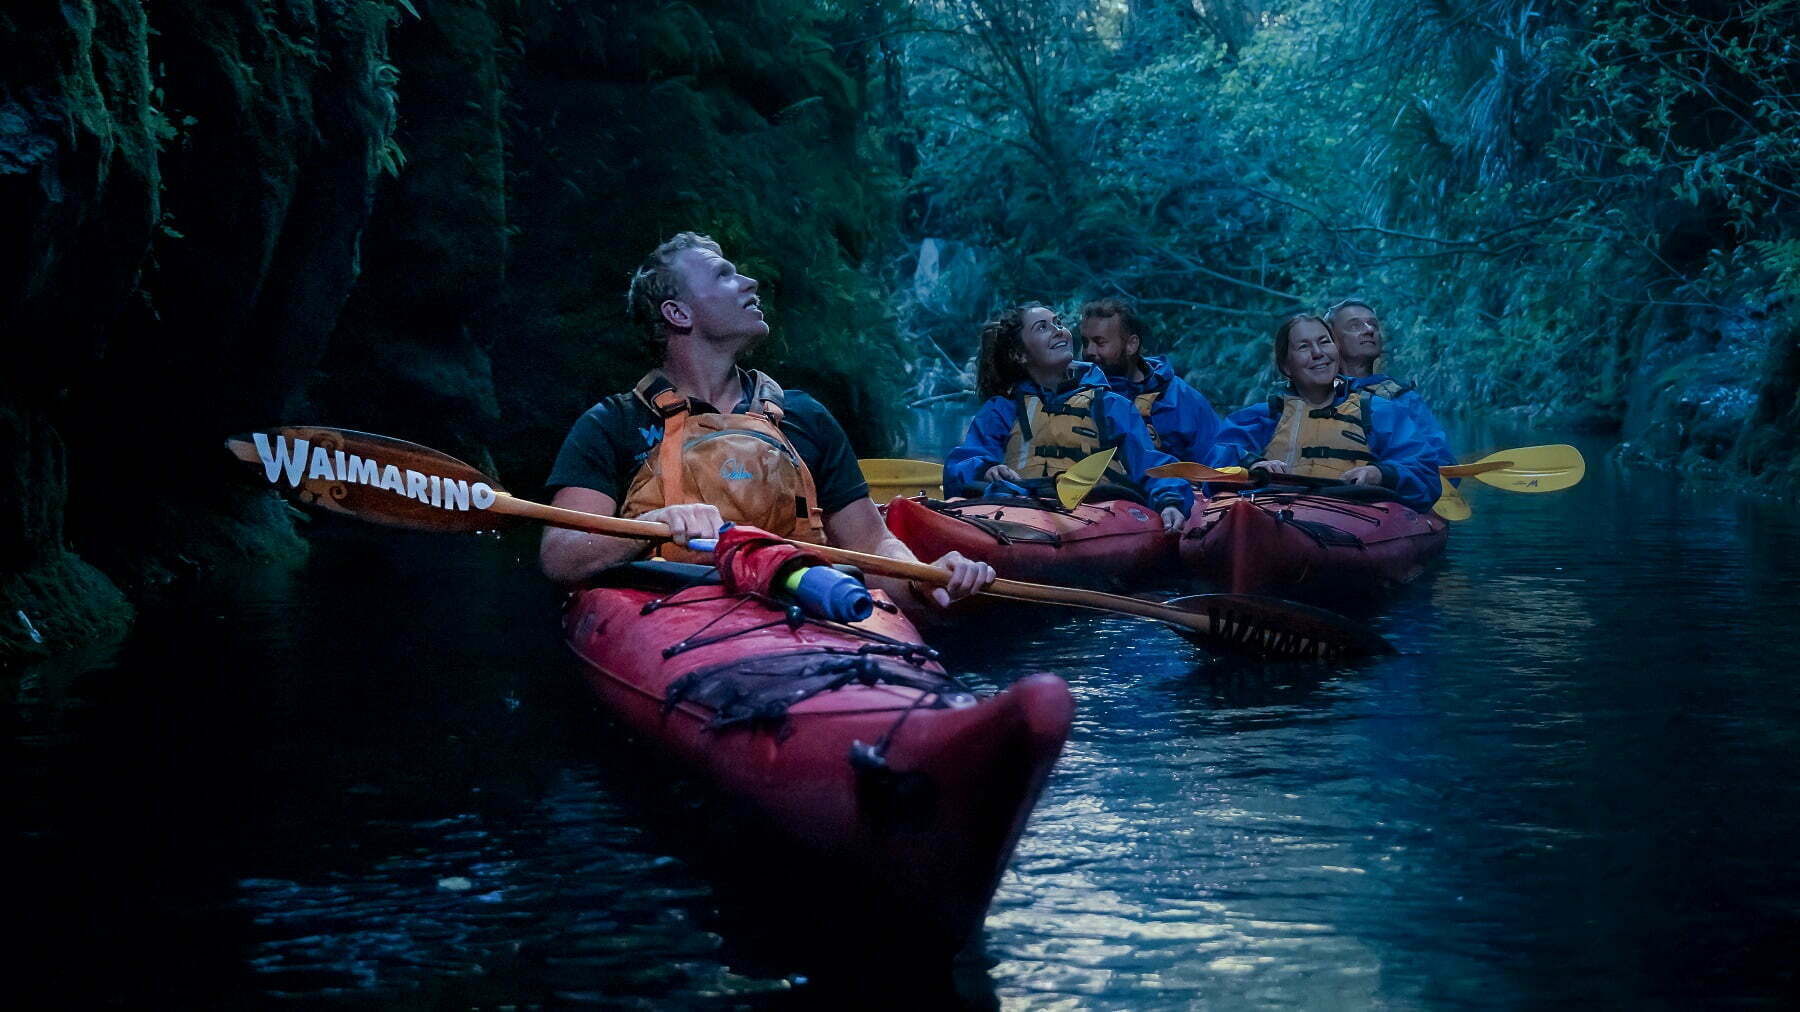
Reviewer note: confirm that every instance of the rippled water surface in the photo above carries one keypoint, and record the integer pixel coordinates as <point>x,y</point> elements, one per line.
<point>377,782</point>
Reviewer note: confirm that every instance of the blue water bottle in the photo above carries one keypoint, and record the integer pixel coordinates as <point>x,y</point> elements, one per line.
<point>821,591</point>
<point>829,594</point>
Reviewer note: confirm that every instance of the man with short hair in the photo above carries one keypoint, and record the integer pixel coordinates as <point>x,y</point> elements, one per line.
<point>1361,341</point>
<point>700,441</point>
<point>1182,423</point>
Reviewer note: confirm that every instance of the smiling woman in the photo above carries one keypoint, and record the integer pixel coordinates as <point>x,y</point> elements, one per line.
<point>1029,342</point>
<point>1044,411</point>
<point>1323,429</point>
<point>1306,354</point>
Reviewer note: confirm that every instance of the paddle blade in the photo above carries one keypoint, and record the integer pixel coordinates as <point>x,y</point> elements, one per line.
<point>1451,505</point>
<point>889,477</point>
<point>1200,472</point>
<point>375,478</point>
<point>1471,470</point>
<point>1073,485</point>
<point>1270,626</point>
<point>1536,469</point>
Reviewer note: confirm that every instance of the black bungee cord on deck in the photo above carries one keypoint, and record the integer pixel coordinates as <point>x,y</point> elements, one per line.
<point>862,667</point>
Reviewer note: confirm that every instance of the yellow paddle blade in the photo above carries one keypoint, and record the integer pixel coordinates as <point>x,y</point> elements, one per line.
<point>1471,470</point>
<point>1451,505</point>
<point>1073,485</point>
<point>1200,472</point>
<point>1535,468</point>
<point>889,477</point>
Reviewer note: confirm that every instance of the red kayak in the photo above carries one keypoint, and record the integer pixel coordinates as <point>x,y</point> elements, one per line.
<point>904,791</point>
<point>1248,544</point>
<point>1036,541</point>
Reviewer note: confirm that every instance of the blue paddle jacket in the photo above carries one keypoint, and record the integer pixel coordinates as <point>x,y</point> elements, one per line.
<point>1407,397</point>
<point>1183,422</point>
<point>1406,458</point>
<point>993,425</point>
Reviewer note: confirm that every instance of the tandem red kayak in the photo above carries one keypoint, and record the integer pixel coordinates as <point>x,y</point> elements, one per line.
<point>1249,544</point>
<point>1036,541</point>
<point>904,791</point>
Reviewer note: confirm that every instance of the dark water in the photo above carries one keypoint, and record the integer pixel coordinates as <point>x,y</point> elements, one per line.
<point>376,782</point>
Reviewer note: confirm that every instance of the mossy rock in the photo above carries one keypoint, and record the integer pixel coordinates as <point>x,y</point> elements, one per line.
<point>57,606</point>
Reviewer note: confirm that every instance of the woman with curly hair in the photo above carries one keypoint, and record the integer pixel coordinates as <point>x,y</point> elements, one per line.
<point>1044,411</point>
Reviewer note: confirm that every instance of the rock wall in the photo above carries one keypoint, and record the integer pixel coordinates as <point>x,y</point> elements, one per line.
<point>408,216</point>
<point>196,177</point>
<point>1714,395</point>
<point>409,356</point>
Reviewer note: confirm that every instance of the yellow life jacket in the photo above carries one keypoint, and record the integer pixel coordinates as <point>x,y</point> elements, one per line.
<point>741,463</point>
<point>1048,438</point>
<point>1320,442</point>
<point>1146,403</point>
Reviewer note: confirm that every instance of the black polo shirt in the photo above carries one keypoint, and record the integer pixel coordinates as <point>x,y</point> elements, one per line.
<point>612,439</point>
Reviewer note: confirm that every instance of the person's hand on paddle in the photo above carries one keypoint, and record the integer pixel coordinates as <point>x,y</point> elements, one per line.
<point>1367,474</point>
<point>1172,518</point>
<point>1000,472</point>
<point>687,520</point>
<point>967,577</point>
<point>1270,466</point>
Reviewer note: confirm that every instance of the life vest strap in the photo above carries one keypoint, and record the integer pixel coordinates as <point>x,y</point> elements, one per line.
<point>674,437</point>
<point>1333,453</point>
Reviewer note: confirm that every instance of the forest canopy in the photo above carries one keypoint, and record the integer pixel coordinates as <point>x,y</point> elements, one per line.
<point>1535,195</point>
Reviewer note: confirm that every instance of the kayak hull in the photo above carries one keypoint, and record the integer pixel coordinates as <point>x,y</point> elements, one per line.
<point>1094,543</point>
<point>1252,545</point>
<point>925,834</point>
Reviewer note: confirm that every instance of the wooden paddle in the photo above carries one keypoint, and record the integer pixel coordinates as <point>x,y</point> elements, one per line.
<point>1524,469</point>
<point>401,484</point>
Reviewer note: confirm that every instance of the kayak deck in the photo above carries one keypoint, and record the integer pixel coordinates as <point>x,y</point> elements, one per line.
<point>1250,544</point>
<point>897,784</point>
<point>1026,539</point>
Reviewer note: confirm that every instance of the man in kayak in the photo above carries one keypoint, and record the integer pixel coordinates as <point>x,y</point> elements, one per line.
<point>1360,341</point>
<point>1180,420</point>
<point>665,451</point>
<point>1045,411</point>
<point>1322,428</point>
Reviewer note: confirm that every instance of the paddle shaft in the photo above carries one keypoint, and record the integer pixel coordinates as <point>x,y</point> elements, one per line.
<point>621,527</point>
<point>594,523</point>
<point>1561,465</point>
<point>1471,470</point>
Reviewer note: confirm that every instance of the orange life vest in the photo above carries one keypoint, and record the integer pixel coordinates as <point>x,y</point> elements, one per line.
<point>741,463</point>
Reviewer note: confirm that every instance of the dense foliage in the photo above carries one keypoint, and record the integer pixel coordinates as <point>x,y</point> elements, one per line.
<point>1539,196</point>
